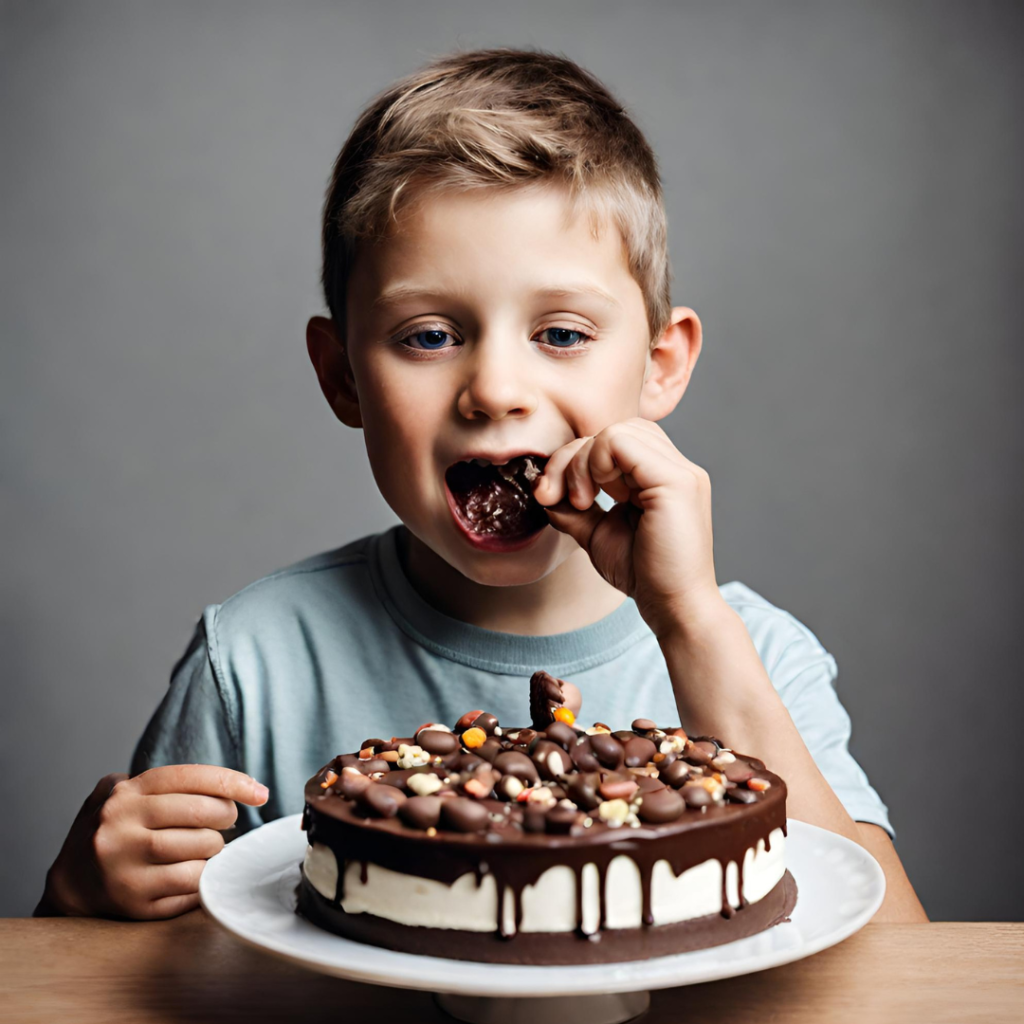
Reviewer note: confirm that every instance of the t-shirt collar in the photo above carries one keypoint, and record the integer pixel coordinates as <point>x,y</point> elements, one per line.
<point>501,653</point>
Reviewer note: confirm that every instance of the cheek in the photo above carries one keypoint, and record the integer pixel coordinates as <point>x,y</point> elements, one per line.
<point>402,417</point>
<point>609,394</point>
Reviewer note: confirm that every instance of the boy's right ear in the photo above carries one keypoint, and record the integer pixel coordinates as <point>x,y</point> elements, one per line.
<point>327,353</point>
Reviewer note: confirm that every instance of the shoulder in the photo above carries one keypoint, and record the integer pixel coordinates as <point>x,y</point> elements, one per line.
<point>786,645</point>
<point>328,585</point>
<point>341,568</point>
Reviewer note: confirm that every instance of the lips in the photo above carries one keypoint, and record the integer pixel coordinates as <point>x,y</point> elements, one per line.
<point>495,502</point>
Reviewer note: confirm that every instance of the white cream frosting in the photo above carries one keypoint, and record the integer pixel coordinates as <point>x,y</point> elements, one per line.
<point>550,904</point>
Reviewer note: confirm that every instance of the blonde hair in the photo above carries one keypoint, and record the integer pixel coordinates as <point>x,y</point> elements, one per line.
<point>498,118</point>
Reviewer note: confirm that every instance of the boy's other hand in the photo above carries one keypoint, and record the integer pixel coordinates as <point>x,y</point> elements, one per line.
<point>138,845</point>
<point>655,544</point>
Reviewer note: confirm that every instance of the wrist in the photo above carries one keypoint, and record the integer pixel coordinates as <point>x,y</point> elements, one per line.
<point>698,624</point>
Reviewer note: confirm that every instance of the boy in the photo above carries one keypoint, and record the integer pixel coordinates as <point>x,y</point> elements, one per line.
<point>496,269</point>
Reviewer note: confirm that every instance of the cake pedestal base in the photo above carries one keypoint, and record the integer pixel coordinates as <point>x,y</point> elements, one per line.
<point>604,1009</point>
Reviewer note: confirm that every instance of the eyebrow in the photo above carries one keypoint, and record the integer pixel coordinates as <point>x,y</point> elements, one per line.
<point>402,293</point>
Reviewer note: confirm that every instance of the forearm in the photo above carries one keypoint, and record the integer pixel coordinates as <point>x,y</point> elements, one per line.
<point>722,689</point>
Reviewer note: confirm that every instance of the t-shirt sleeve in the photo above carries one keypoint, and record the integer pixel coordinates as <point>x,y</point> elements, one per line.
<point>805,676</point>
<point>804,673</point>
<point>196,722</point>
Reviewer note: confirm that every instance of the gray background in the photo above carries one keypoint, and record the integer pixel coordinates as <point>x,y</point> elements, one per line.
<point>843,192</point>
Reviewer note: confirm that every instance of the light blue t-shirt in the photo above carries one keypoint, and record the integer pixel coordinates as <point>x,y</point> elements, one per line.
<point>310,661</point>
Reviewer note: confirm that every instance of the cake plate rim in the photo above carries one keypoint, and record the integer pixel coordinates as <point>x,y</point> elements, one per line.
<point>248,889</point>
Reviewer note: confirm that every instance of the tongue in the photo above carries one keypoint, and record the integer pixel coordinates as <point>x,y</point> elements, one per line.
<point>497,500</point>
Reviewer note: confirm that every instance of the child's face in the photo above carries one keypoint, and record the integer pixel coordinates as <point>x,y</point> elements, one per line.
<point>489,326</point>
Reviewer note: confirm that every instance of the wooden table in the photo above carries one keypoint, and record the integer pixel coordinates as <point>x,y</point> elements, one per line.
<point>188,969</point>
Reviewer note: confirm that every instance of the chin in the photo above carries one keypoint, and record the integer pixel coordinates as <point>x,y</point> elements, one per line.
<point>508,569</point>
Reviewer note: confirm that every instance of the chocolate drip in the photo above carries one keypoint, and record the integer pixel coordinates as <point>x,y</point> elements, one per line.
<point>727,909</point>
<point>549,948</point>
<point>646,916</point>
<point>577,870</point>
<point>517,859</point>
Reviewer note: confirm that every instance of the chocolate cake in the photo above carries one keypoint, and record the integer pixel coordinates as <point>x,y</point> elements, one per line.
<point>550,844</point>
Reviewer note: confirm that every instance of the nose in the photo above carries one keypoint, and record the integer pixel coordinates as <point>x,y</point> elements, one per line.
<point>497,382</point>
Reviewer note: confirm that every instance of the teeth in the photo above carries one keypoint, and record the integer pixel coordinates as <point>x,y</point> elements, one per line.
<point>531,469</point>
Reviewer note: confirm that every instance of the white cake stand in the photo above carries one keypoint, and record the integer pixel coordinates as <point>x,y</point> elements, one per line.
<point>249,888</point>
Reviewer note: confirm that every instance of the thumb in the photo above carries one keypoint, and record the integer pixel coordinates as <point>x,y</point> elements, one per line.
<point>579,524</point>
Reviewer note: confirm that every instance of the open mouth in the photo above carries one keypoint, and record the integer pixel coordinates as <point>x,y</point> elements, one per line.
<point>496,502</point>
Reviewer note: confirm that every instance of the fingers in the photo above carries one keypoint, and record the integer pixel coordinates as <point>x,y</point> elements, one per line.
<point>624,454</point>
<point>149,837</point>
<point>621,460</point>
<point>205,780</point>
<point>172,845</point>
<point>171,906</point>
<point>158,891</point>
<point>578,524</point>
<point>181,879</point>
<point>186,810</point>
<point>551,487</point>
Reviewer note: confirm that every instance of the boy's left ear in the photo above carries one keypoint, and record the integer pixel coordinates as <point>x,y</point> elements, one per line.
<point>670,363</point>
<point>329,359</point>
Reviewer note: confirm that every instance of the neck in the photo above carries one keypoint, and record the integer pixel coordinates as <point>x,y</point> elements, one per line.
<point>570,597</point>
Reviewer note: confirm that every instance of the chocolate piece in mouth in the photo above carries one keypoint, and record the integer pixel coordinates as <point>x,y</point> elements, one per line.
<point>498,501</point>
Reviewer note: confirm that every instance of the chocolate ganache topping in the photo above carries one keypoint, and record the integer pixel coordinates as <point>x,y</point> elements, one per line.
<point>477,797</point>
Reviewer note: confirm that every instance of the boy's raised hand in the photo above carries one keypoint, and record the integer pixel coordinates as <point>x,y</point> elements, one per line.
<point>662,558</point>
<point>138,845</point>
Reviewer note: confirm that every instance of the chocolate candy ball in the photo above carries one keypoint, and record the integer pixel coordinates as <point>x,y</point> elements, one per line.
<point>524,737</point>
<point>607,750</point>
<point>487,722</point>
<point>551,759</point>
<point>562,734</point>
<point>700,751</point>
<point>697,796</point>
<point>514,763</point>
<point>582,754</point>
<point>381,801</point>
<point>490,749</point>
<point>350,786</point>
<point>464,814</point>
<point>421,812</point>
<point>434,741</point>
<point>583,790</point>
<point>660,806</point>
<point>675,774</point>
<point>649,785</point>
<point>638,751</point>
<point>738,771</point>
<point>742,795</point>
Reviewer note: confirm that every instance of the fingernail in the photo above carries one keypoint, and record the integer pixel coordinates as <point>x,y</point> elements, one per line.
<point>261,792</point>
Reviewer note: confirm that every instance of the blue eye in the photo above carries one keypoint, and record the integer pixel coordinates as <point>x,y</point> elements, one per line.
<point>429,340</point>
<point>562,337</point>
